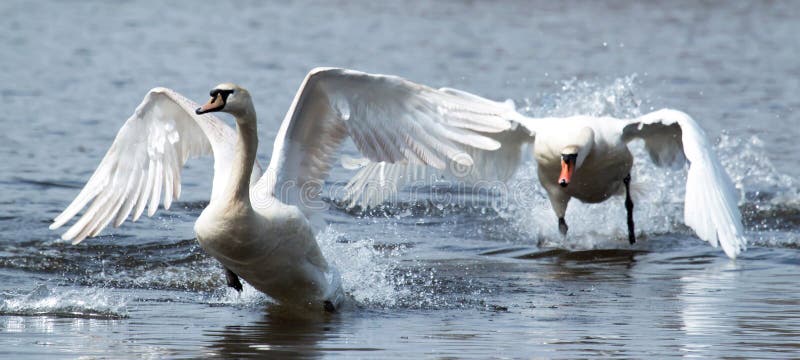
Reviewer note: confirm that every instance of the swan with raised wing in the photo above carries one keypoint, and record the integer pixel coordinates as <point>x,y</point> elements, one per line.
<point>259,226</point>
<point>587,158</point>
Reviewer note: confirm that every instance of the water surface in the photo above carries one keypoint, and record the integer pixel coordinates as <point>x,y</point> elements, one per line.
<point>425,279</point>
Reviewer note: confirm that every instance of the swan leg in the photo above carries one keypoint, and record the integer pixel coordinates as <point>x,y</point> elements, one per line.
<point>629,208</point>
<point>329,307</point>
<point>559,201</point>
<point>233,280</point>
<point>562,226</point>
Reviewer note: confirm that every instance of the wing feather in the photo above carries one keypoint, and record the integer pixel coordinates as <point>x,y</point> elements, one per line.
<point>130,201</point>
<point>389,119</point>
<point>711,203</point>
<point>144,162</point>
<point>378,182</point>
<point>168,178</point>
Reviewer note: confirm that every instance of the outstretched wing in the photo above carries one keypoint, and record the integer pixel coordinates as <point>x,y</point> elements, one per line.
<point>377,182</point>
<point>710,208</point>
<point>389,119</point>
<point>145,161</point>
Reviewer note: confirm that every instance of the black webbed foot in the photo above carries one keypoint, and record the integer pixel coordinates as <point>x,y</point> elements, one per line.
<point>562,226</point>
<point>329,307</point>
<point>233,280</point>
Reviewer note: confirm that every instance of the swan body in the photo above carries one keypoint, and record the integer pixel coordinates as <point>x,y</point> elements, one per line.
<point>244,241</point>
<point>260,226</point>
<point>597,167</point>
<point>603,161</point>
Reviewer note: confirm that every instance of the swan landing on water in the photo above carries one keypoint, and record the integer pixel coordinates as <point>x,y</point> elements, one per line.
<point>260,226</point>
<point>586,158</point>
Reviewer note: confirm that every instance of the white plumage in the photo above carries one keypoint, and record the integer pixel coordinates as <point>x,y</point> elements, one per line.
<point>671,138</point>
<point>710,206</point>
<point>145,160</point>
<point>258,226</point>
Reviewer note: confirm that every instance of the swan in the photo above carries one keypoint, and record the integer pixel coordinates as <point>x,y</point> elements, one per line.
<point>586,158</point>
<point>261,227</point>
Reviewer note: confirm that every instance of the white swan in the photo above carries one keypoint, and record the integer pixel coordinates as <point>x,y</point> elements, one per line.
<point>587,158</point>
<point>263,232</point>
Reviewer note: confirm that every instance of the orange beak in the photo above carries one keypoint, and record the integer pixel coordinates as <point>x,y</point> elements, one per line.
<point>566,173</point>
<point>216,103</point>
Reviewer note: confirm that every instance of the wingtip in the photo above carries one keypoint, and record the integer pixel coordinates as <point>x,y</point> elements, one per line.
<point>493,144</point>
<point>736,247</point>
<point>732,254</point>
<point>67,237</point>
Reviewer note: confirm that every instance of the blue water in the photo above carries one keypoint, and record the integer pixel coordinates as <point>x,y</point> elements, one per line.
<point>426,280</point>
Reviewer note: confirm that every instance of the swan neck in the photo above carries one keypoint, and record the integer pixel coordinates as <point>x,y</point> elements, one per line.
<point>243,160</point>
<point>585,144</point>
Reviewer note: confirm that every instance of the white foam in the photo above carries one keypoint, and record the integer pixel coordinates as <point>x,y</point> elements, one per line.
<point>366,272</point>
<point>746,161</point>
<point>248,298</point>
<point>68,302</point>
<point>659,209</point>
<point>584,98</point>
<point>595,225</point>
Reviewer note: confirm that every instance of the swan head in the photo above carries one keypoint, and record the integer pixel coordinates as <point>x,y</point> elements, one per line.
<point>569,161</point>
<point>229,98</point>
<point>572,156</point>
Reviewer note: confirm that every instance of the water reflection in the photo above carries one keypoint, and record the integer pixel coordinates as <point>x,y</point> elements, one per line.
<point>279,334</point>
<point>708,303</point>
<point>718,311</point>
<point>48,332</point>
<point>588,265</point>
<point>679,297</point>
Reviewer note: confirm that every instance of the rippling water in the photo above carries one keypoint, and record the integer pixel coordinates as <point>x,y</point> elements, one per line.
<point>425,279</point>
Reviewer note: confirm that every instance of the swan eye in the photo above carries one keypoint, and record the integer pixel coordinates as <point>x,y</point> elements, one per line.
<point>217,92</point>
<point>569,157</point>
<point>224,93</point>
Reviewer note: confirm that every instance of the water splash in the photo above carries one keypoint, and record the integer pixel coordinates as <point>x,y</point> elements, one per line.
<point>376,276</point>
<point>371,277</point>
<point>603,225</point>
<point>248,298</point>
<point>771,199</point>
<point>585,98</point>
<point>63,302</point>
<point>765,190</point>
<point>366,274</point>
<point>596,226</point>
<point>746,160</point>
